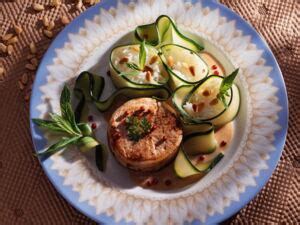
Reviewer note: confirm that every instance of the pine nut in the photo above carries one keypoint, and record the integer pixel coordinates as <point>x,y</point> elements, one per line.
<point>48,33</point>
<point>206,93</point>
<point>3,48</point>
<point>136,48</point>
<point>46,21</point>
<point>18,29</point>
<point>123,60</point>
<point>153,59</point>
<point>79,4</point>
<point>21,86</point>
<point>24,78</point>
<point>51,25</point>
<point>32,48</point>
<point>38,7</point>
<point>148,75</point>
<point>192,70</point>
<point>185,65</point>
<point>30,66</point>
<point>10,49</point>
<point>12,40</point>
<point>170,61</point>
<point>65,20</point>
<point>6,37</point>
<point>34,61</point>
<point>214,101</point>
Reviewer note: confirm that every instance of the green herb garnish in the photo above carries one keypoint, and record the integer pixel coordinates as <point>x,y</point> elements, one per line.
<point>133,66</point>
<point>225,86</point>
<point>142,55</point>
<point>72,133</point>
<point>137,128</point>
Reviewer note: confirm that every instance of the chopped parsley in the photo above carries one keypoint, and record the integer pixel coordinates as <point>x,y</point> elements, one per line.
<point>137,128</point>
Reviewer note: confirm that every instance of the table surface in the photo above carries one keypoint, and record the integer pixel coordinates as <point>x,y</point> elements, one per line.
<point>26,195</point>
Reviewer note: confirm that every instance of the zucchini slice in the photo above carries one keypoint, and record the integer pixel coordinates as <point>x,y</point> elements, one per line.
<point>183,167</point>
<point>199,104</point>
<point>123,75</point>
<point>200,143</point>
<point>184,65</point>
<point>207,162</point>
<point>165,31</point>
<point>89,87</point>
<point>190,128</point>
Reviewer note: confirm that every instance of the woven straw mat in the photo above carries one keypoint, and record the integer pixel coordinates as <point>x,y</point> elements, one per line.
<point>26,195</point>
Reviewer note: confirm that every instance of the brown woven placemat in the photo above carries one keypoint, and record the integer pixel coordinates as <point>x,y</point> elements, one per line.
<point>26,195</point>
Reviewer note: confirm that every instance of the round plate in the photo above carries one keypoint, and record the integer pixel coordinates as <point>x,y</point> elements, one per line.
<point>260,128</point>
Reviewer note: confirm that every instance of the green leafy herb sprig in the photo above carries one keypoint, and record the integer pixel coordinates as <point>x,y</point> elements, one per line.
<point>72,133</point>
<point>225,86</point>
<point>137,128</point>
<point>142,61</point>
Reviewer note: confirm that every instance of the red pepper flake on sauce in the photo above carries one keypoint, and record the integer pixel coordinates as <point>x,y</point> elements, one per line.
<point>216,72</point>
<point>94,126</point>
<point>168,182</point>
<point>223,144</point>
<point>200,158</point>
<point>108,73</point>
<point>214,67</point>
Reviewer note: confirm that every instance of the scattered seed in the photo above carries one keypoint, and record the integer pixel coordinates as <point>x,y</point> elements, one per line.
<point>153,59</point>
<point>48,33</point>
<point>30,66</point>
<point>214,67</point>
<point>148,75</point>
<point>123,60</point>
<point>18,29</point>
<point>136,48</point>
<point>34,61</point>
<point>214,101</point>
<point>55,3</point>
<point>65,20</point>
<point>3,48</point>
<point>170,61</point>
<point>21,86</point>
<point>12,40</point>
<point>10,49</point>
<point>223,144</point>
<point>51,25</point>
<point>38,7</point>
<point>32,48</point>
<point>24,78</point>
<point>45,21</point>
<point>108,73</point>
<point>79,4</point>
<point>192,70</point>
<point>6,37</point>
<point>206,93</point>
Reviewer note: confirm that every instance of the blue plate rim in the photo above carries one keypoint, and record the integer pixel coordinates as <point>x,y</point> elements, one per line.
<point>250,192</point>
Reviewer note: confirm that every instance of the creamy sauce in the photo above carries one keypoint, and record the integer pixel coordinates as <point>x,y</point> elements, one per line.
<point>166,179</point>
<point>212,63</point>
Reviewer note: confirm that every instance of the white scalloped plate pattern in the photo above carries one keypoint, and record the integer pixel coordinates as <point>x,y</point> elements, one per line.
<point>246,159</point>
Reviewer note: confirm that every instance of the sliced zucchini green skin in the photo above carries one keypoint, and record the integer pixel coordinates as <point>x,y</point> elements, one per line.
<point>88,92</point>
<point>183,167</point>
<point>162,31</point>
<point>189,128</point>
<point>182,94</point>
<point>123,81</point>
<point>175,80</point>
<point>206,166</point>
<point>199,143</point>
